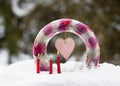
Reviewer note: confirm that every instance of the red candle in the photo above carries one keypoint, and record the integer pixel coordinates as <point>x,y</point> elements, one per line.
<point>51,68</point>
<point>38,64</point>
<point>58,63</point>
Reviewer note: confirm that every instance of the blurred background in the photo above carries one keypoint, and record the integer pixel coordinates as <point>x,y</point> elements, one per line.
<point>21,20</point>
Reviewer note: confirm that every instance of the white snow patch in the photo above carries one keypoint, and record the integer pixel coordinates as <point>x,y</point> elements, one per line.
<point>3,59</point>
<point>27,7</point>
<point>23,73</point>
<point>3,56</point>
<point>20,57</point>
<point>22,11</point>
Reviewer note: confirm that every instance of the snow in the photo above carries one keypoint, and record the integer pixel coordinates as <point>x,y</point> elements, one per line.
<point>4,54</point>
<point>21,57</point>
<point>28,6</point>
<point>3,57</point>
<point>23,11</point>
<point>23,74</point>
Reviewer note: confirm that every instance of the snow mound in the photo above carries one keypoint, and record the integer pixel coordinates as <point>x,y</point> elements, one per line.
<point>24,74</point>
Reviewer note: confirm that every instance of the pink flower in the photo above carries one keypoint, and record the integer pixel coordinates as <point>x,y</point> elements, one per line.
<point>48,30</point>
<point>39,48</point>
<point>44,67</point>
<point>64,24</point>
<point>92,42</point>
<point>81,28</point>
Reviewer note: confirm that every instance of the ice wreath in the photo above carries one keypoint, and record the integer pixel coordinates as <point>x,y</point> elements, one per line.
<point>66,25</point>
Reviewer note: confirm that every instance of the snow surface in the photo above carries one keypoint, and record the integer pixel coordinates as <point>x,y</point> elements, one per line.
<point>3,59</point>
<point>23,74</point>
<point>4,55</point>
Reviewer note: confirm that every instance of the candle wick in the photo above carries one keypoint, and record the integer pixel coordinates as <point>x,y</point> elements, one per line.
<point>38,56</point>
<point>50,56</point>
<point>58,52</point>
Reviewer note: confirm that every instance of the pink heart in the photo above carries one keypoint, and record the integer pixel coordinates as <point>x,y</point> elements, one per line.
<point>65,47</point>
